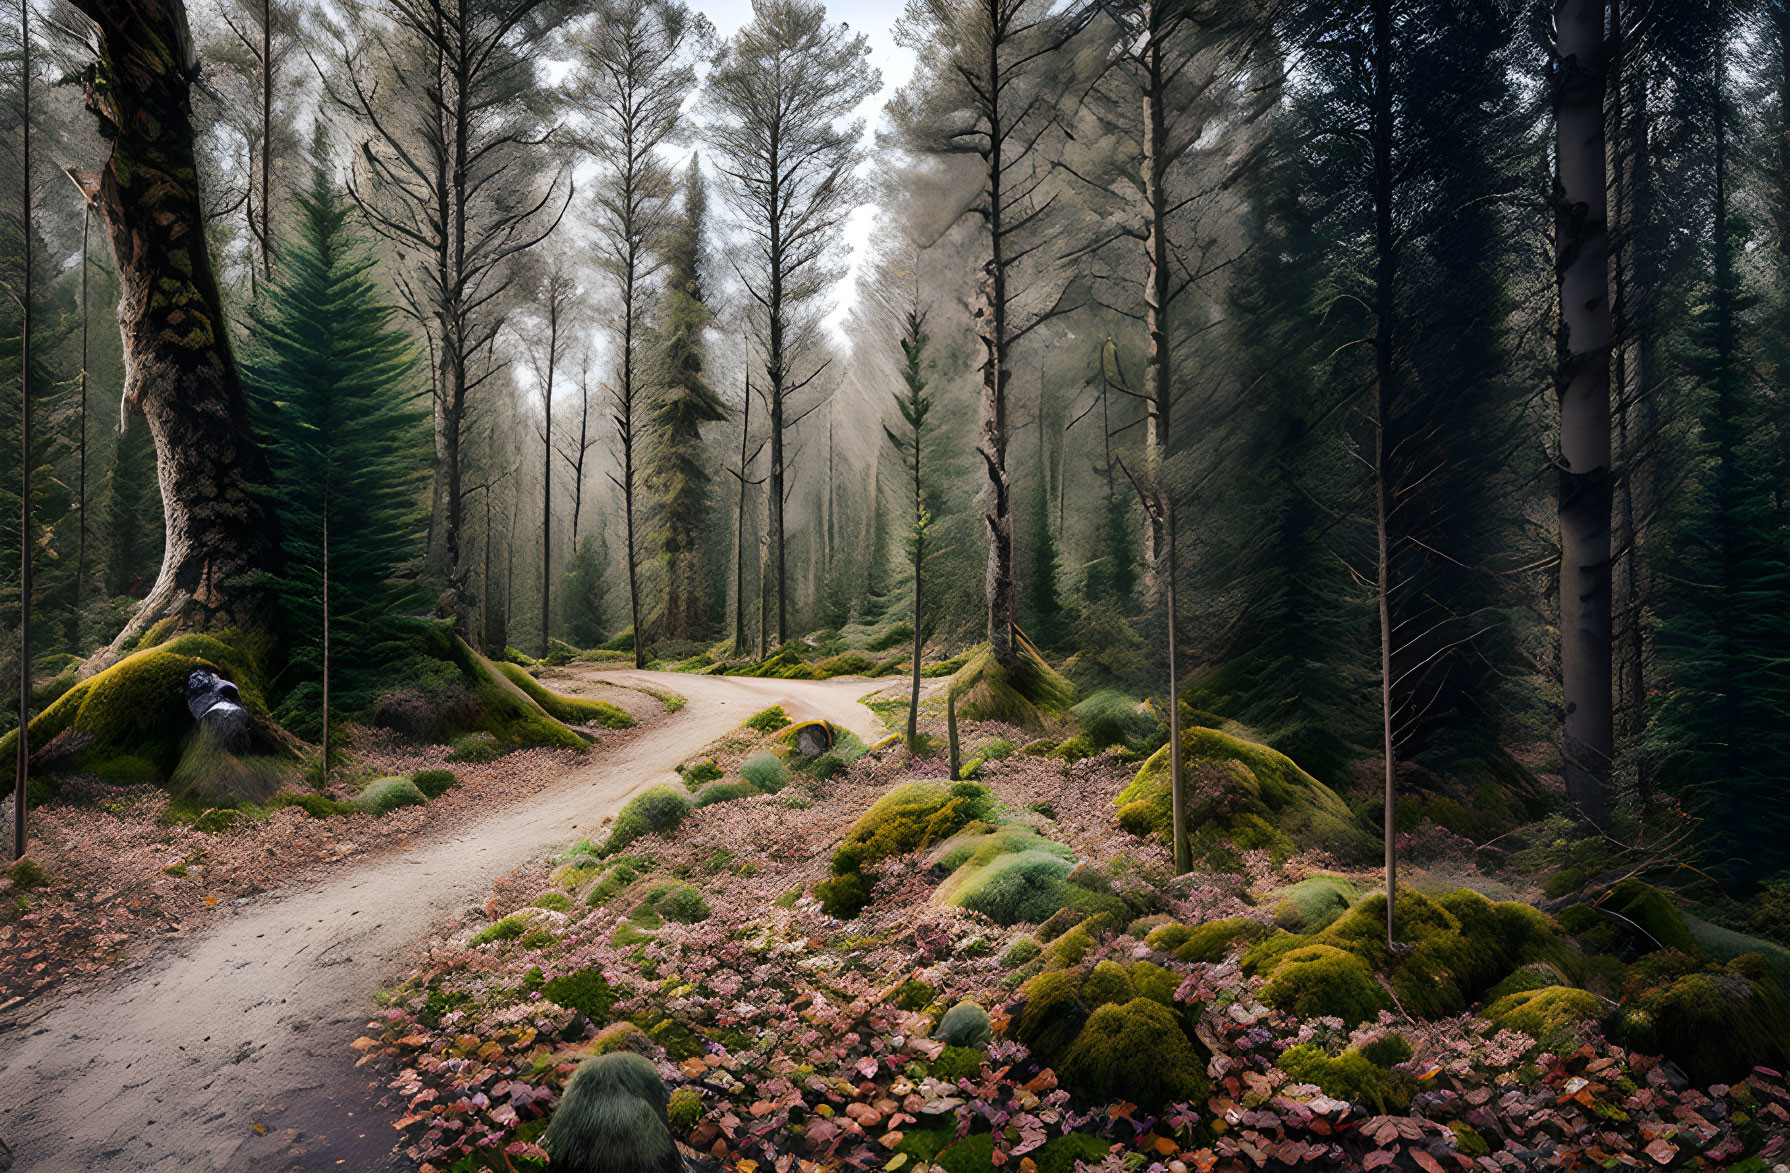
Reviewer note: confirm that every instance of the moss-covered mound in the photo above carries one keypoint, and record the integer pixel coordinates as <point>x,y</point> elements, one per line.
<point>1206,942</point>
<point>964,1025</point>
<point>130,723</point>
<point>912,817</point>
<point>1453,948</point>
<point>985,690</point>
<point>1716,1022</point>
<point>1314,903</point>
<point>1136,1052</point>
<point>1548,1014</point>
<point>1352,1076</point>
<point>612,1118</point>
<point>384,795</point>
<point>447,689</point>
<point>1014,874</point>
<point>569,709</point>
<point>657,809</point>
<point>1242,795</point>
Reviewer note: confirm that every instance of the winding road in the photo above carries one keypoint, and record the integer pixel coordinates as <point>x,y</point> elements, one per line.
<point>229,1050</point>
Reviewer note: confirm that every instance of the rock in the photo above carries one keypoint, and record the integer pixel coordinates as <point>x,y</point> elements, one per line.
<point>216,705</point>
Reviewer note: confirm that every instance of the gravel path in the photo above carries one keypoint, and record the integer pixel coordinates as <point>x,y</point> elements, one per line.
<point>228,1050</point>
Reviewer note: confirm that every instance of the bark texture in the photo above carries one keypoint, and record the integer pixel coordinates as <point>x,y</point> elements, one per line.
<point>179,370</point>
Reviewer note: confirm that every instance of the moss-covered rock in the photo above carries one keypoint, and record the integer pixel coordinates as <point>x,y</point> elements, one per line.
<point>384,795</point>
<point>657,809</point>
<point>843,896</point>
<point>1212,940</point>
<point>724,792</point>
<point>612,1118</point>
<point>1548,1015</point>
<point>684,1108</point>
<point>1350,1076</point>
<point>1022,695</point>
<point>1050,1016</point>
<point>1717,1023</point>
<point>1021,952</point>
<point>1108,984</point>
<point>622,1036</point>
<point>570,710</point>
<point>964,1025</point>
<point>1650,914</point>
<point>1321,980</point>
<point>914,816</point>
<point>447,689</point>
<point>1244,794</point>
<point>1314,903</point>
<point>1014,874</point>
<point>1137,1052</point>
<point>434,783</point>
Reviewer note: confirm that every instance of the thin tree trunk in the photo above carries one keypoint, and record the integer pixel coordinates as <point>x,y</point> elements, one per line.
<point>179,368</point>
<point>21,766</point>
<point>81,486</point>
<point>739,536</point>
<point>991,423</point>
<point>547,471</point>
<point>627,430</point>
<point>325,785</point>
<point>1385,307</point>
<point>267,139</point>
<point>913,704</point>
<point>1582,382</point>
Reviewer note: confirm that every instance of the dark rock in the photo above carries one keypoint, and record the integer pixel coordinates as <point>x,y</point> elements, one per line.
<point>217,706</point>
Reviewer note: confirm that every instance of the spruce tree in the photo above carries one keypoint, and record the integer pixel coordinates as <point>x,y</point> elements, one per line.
<point>333,383</point>
<point>677,477</point>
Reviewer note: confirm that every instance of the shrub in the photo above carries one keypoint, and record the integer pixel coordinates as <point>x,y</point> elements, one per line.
<point>1058,923</point>
<point>612,1118</point>
<point>897,635</point>
<point>957,1063</point>
<point>845,664</point>
<point>555,902</point>
<point>1212,940</point>
<point>843,896</point>
<point>1717,1024</point>
<point>1322,980</point>
<point>765,771</point>
<point>1154,982</point>
<point>1349,1076</point>
<point>724,792</point>
<point>700,773</point>
<point>1020,952</point>
<point>1134,1052</point>
<point>27,873</point>
<point>681,903</point>
<point>767,720</point>
<point>434,783</point>
<point>1652,915</point>
<point>1068,949</point>
<point>1168,938</point>
<point>657,809</point>
<point>1013,874</point>
<point>1389,1050</point>
<point>964,1025</point>
<point>384,795</point>
<point>685,1108</point>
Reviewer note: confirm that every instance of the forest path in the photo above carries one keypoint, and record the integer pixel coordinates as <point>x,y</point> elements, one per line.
<point>179,1061</point>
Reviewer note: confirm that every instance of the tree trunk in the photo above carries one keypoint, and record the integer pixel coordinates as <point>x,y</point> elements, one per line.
<point>547,470</point>
<point>739,533</point>
<point>913,703</point>
<point>1386,265</point>
<point>21,764</point>
<point>179,368</point>
<point>991,421</point>
<point>325,771</point>
<point>1582,382</point>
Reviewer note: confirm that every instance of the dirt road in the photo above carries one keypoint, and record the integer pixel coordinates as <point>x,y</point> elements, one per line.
<point>229,1050</point>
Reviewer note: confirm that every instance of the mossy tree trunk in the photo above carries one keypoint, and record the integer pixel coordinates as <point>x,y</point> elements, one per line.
<point>179,369</point>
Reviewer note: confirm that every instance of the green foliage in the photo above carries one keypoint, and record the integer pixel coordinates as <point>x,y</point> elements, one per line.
<point>331,382</point>
<point>914,816</point>
<point>897,636</point>
<point>1389,1050</point>
<point>1022,696</point>
<point>570,710</point>
<point>27,873</point>
<point>1135,1052</point>
<point>766,772</point>
<point>1109,717</point>
<point>612,1118</point>
<point>724,792</point>
<point>1108,983</point>
<point>586,991</point>
<point>1013,874</point>
<point>957,1063</point>
<point>678,902</point>
<point>1314,903</point>
<point>385,795</point>
<point>318,806</point>
<point>582,594</point>
<point>1547,1015</point>
<point>767,720</point>
<point>700,773</point>
<point>914,994</point>
<point>434,783</point>
<point>1051,1017</point>
<point>964,1025</point>
<point>658,809</point>
<point>685,1108</point>
<point>1020,952</point>
<point>1350,1076</point>
<point>477,748</point>
<point>1717,1023</point>
<point>844,895</point>
<point>1245,794</point>
<point>1212,940</point>
<point>509,928</point>
<point>554,901</point>
<point>1650,914</point>
<point>1321,980</point>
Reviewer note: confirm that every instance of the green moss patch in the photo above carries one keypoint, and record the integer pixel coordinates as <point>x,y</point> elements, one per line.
<point>911,817</point>
<point>1350,1076</point>
<point>724,792</point>
<point>384,795</point>
<point>767,720</point>
<point>1548,1014</point>
<point>1245,795</point>
<point>568,709</point>
<point>434,783</point>
<point>657,809</point>
<point>1717,1023</point>
<point>1323,981</point>
<point>1013,874</point>
<point>1023,695</point>
<point>1314,903</point>
<point>1136,1052</point>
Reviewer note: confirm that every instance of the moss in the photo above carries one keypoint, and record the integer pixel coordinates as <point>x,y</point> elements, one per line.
<point>657,809</point>
<point>1389,1050</point>
<point>1167,938</point>
<point>477,748</point>
<point>385,795</point>
<point>554,902</point>
<point>1715,1023</point>
<point>1135,1052</point>
<point>684,1109</point>
<point>1068,950</point>
<point>700,773</point>
<point>1154,982</point>
<point>767,720</point>
<point>766,772</point>
<point>27,873</point>
<point>1349,1076</point>
<point>1650,914</point>
<point>1314,903</point>
<point>1054,926</point>
<point>895,636</point>
<point>318,806</point>
<point>128,770</point>
<point>1548,1015</point>
<point>724,792</point>
<point>915,816</point>
<point>1020,695</point>
<point>914,995</point>
<point>1108,984</point>
<point>1238,788</point>
<point>586,991</point>
<point>1212,940</point>
<point>957,1063</point>
<point>1051,1017</point>
<point>510,928</point>
<point>612,1118</point>
<point>964,1025</point>
<point>1108,717</point>
<point>1321,980</point>
<point>1467,1140</point>
<point>502,708</point>
<point>434,783</point>
<point>1013,874</point>
<point>566,709</point>
<point>843,896</point>
<point>1020,952</point>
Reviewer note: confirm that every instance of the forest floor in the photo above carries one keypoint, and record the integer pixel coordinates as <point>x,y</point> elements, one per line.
<point>202,1018</point>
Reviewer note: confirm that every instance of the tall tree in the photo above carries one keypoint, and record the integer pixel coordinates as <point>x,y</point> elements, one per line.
<point>180,371</point>
<point>555,301</point>
<point>454,167</point>
<point>1582,383</point>
<point>637,65</point>
<point>677,473</point>
<point>22,761</point>
<point>912,442</point>
<point>332,378</point>
<point>780,100</point>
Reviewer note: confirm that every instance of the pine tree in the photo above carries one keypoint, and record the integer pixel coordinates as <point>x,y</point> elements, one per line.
<point>332,381</point>
<point>676,475</point>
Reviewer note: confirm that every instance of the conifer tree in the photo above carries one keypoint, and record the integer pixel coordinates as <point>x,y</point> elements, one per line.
<point>676,473</point>
<point>332,384</point>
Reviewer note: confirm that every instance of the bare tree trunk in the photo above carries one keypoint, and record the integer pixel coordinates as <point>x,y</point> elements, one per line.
<point>325,772</point>
<point>951,734</point>
<point>267,139</point>
<point>1385,307</point>
<point>625,427</point>
<point>81,416</point>
<point>179,368</point>
<point>739,533</point>
<point>991,419</point>
<point>1582,382</point>
<point>547,468</point>
<point>21,764</point>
